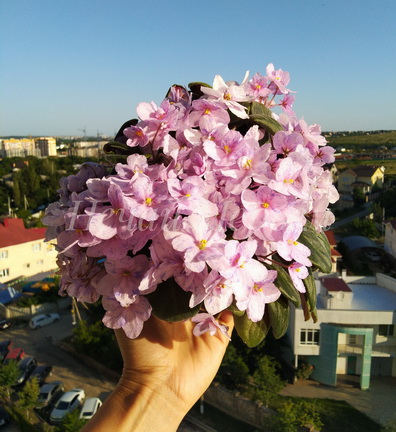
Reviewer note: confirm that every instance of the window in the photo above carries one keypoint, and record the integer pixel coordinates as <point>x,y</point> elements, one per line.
<point>386,330</point>
<point>5,272</point>
<point>3,254</point>
<point>352,339</point>
<point>36,247</point>
<point>40,262</point>
<point>309,337</point>
<point>27,265</point>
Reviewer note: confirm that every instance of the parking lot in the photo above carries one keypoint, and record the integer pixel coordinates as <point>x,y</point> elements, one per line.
<point>42,344</point>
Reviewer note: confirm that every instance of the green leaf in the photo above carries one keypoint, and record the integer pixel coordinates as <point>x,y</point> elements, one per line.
<point>252,333</point>
<point>319,245</point>
<point>257,108</point>
<point>310,295</point>
<point>266,122</point>
<point>285,284</point>
<point>118,148</point>
<point>171,303</point>
<point>279,316</point>
<point>195,88</point>
<point>235,310</point>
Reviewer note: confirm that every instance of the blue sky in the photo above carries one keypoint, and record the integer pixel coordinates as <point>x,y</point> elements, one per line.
<point>75,64</point>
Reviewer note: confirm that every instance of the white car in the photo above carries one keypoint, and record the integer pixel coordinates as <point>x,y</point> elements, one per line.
<point>91,405</point>
<point>42,320</point>
<point>68,402</point>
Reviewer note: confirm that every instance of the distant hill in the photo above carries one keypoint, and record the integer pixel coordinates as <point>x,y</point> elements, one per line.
<point>360,140</point>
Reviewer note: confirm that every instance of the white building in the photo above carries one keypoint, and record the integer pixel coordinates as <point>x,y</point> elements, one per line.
<point>390,237</point>
<point>355,332</point>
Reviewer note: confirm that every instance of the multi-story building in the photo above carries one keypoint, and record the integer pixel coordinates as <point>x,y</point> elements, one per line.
<point>46,146</point>
<point>355,331</point>
<point>362,177</point>
<point>15,147</point>
<point>23,251</point>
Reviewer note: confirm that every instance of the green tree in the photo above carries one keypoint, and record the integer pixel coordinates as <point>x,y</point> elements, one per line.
<point>266,382</point>
<point>71,423</point>
<point>27,397</point>
<point>293,415</point>
<point>359,197</point>
<point>366,227</point>
<point>16,190</point>
<point>233,373</point>
<point>8,375</point>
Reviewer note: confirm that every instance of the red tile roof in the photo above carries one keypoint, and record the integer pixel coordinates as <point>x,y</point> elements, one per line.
<point>331,237</point>
<point>335,284</point>
<point>13,232</point>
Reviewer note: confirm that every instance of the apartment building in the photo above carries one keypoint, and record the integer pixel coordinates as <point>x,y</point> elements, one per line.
<point>23,251</point>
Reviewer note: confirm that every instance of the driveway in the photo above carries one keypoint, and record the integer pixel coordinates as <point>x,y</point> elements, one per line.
<point>378,402</point>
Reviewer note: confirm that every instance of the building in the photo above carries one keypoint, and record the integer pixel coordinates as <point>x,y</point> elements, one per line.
<point>335,255</point>
<point>355,332</point>
<point>22,147</point>
<point>23,251</point>
<point>18,147</point>
<point>390,237</point>
<point>46,146</point>
<point>362,177</point>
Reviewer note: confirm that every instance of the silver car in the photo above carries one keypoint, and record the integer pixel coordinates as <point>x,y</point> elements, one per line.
<point>68,402</point>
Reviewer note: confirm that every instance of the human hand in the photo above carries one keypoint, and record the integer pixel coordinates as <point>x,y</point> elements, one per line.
<point>166,370</point>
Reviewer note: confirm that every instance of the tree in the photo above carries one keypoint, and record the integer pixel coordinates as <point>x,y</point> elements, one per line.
<point>28,396</point>
<point>233,372</point>
<point>359,197</point>
<point>293,415</point>
<point>8,375</point>
<point>71,423</point>
<point>266,382</point>
<point>366,227</point>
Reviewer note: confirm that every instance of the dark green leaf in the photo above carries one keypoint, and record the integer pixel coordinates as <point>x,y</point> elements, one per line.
<point>195,88</point>
<point>319,245</point>
<point>285,284</point>
<point>266,122</point>
<point>118,148</point>
<point>171,303</point>
<point>310,295</point>
<point>252,333</point>
<point>279,316</point>
<point>235,310</point>
<point>257,108</point>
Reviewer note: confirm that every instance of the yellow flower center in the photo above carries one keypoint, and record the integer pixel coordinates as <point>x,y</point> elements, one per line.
<point>148,201</point>
<point>226,149</point>
<point>139,133</point>
<point>79,231</point>
<point>227,96</point>
<point>257,288</point>
<point>258,86</point>
<point>297,269</point>
<point>207,111</point>
<point>187,195</point>
<point>291,181</point>
<point>248,164</point>
<point>265,205</point>
<point>202,244</point>
<point>116,211</point>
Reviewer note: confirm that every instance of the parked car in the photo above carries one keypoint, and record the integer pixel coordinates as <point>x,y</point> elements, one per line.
<point>91,405</point>
<point>26,367</point>
<point>49,393</point>
<point>15,354</point>
<point>4,416</point>
<point>41,373</point>
<point>5,324</point>
<point>5,347</point>
<point>373,256</point>
<point>68,402</point>
<point>42,320</point>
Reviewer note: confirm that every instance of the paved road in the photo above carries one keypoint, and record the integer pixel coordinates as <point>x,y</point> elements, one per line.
<point>350,218</point>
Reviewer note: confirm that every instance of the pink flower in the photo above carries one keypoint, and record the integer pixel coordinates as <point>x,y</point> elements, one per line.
<point>256,295</point>
<point>298,272</point>
<point>206,323</point>
<point>279,78</point>
<point>290,249</point>
<point>130,318</point>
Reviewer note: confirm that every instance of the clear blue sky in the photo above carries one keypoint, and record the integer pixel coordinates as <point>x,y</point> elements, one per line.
<point>66,65</point>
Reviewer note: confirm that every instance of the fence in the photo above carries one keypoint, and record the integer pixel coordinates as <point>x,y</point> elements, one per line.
<point>8,312</point>
<point>239,407</point>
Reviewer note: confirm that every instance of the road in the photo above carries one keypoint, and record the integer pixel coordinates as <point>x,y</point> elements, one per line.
<point>349,219</point>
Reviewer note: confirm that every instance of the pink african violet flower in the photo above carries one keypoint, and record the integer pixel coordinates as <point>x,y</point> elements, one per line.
<point>256,295</point>
<point>200,242</point>
<point>238,264</point>
<point>263,206</point>
<point>257,88</point>
<point>279,78</point>
<point>130,318</point>
<point>206,323</point>
<point>123,278</point>
<point>298,273</point>
<point>137,135</point>
<point>202,109</point>
<point>290,249</point>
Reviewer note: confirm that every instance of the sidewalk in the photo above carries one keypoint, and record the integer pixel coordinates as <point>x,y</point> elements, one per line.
<point>378,402</point>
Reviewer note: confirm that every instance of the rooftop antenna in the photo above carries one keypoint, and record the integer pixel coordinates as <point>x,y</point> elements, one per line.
<point>84,130</point>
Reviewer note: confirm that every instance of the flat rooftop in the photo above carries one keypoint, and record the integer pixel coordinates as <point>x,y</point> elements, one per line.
<point>367,297</point>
